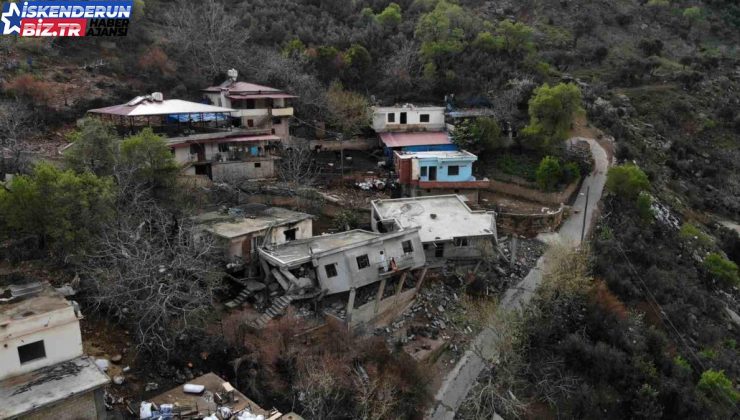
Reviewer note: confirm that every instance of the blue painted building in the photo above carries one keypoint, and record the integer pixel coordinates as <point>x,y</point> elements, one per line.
<point>438,172</point>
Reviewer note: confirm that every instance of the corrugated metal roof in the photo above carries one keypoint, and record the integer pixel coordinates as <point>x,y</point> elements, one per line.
<point>148,107</point>
<point>419,138</point>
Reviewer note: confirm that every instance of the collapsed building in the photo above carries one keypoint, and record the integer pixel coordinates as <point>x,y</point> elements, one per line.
<point>449,229</point>
<point>342,264</point>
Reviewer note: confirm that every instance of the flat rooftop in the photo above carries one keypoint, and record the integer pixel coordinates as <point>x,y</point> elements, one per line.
<point>41,299</point>
<point>24,393</point>
<point>416,138</point>
<point>301,250</point>
<point>205,402</point>
<point>438,154</point>
<point>247,219</point>
<point>438,217</point>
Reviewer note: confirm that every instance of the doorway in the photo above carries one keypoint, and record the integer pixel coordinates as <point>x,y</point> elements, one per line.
<point>403,118</point>
<point>432,173</point>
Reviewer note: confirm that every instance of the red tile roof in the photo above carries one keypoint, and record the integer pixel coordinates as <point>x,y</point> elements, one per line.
<point>419,138</point>
<point>241,87</point>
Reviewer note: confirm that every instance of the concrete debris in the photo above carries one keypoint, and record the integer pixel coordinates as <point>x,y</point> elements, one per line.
<point>118,380</point>
<point>102,364</point>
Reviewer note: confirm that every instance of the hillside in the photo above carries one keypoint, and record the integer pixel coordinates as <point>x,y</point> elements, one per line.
<point>661,76</point>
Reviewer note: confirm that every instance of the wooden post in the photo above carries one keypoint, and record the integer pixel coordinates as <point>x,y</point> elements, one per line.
<point>379,296</point>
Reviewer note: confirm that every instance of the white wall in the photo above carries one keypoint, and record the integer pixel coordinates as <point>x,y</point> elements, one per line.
<point>413,119</point>
<point>277,236</point>
<point>60,331</point>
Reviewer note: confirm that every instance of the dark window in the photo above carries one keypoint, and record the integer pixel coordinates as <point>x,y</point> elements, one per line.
<point>391,117</point>
<point>250,123</point>
<point>439,251</point>
<point>290,234</point>
<point>461,242</point>
<point>425,246</point>
<point>331,270</point>
<point>223,147</point>
<point>257,164</point>
<point>250,103</point>
<point>403,118</point>
<point>424,118</point>
<point>362,262</point>
<point>407,247</point>
<point>453,170</point>
<point>31,351</point>
<point>423,171</point>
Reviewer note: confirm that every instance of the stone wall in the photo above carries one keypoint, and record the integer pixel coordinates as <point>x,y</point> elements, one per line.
<point>80,407</point>
<point>519,188</point>
<point>529,225</point>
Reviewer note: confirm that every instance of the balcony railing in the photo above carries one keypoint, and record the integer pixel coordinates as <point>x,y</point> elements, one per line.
<point>402,262</point>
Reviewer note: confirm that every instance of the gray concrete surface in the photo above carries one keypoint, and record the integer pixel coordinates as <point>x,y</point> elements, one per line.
<point>461,379</point>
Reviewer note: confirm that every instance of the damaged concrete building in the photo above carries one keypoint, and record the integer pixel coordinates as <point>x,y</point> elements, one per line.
<point>242,230</point>
<point>343,264</point>
<point>449,229</point>
<point>43,372</point>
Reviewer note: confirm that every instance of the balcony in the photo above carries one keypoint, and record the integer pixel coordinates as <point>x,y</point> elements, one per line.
<point>282,112</point>
<point>403,262</point>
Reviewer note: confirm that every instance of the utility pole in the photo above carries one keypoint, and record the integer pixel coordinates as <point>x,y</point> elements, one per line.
<point>585,212</point>
<point>341,153</point>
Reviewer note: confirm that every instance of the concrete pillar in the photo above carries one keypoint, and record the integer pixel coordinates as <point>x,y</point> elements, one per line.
<point>421,279</point>
<point>514,244</point>
<point>350,305</point>
<point>379,296</point>
<point>399,287</point>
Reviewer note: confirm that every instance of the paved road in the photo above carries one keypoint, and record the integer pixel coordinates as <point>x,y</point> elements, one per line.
<point>461,379</point>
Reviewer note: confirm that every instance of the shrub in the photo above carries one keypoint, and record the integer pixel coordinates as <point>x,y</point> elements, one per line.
<point>682,363</point>
<point>627,181</point>
<point>691,232</point>
<point>715,384</point>
<point>549,173</point>
<point>645,206</point>
<point>479,135</point>
<point>390,17</point>
<point>28,87</point>
<point>571,172</point>
<point>722,269</point>
<point>156,61</point>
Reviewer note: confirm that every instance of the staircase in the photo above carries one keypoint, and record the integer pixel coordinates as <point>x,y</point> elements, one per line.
<point>239,299</point>
<point>278,307</point>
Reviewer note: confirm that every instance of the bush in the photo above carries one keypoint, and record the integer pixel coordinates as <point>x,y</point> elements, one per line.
<point>691,232</point>
<point>478,135</point>
<point>571,172</point>
<point>549,173</point>
<point>645,206</point>
<point>28,87</point>
<point>722,269</point>
<point>714,384</point>
<point>627,181</point>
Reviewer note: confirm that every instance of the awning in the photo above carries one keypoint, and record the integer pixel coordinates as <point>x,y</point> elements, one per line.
<point>143,107</point>
<point>237,139</point>
<point>419,138</point>
<point>263,96</point>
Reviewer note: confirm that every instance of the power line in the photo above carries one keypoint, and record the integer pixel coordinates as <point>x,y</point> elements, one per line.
<point>654,303</point>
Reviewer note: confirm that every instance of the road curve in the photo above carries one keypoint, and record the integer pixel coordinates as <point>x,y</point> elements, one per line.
<point>462,377</point>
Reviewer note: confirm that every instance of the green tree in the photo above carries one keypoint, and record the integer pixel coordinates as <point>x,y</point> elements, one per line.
<point>390,17</point>
<point>348,111</point>
<point>551,112</point>
<point>715,385</point>
<point>627,181</point>
<point>294,48</point>
<point>443,30</point>
<point>63,209</point>
<point>515,37</point>
<point>692,15</point>
<point>148,159</point>
<point>94,147</point>
<point>722,269</point>
<point>549,173</point>
<point>478,135</point>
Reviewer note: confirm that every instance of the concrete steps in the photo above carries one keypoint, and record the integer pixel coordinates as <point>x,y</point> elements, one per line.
<point>277,309</point>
